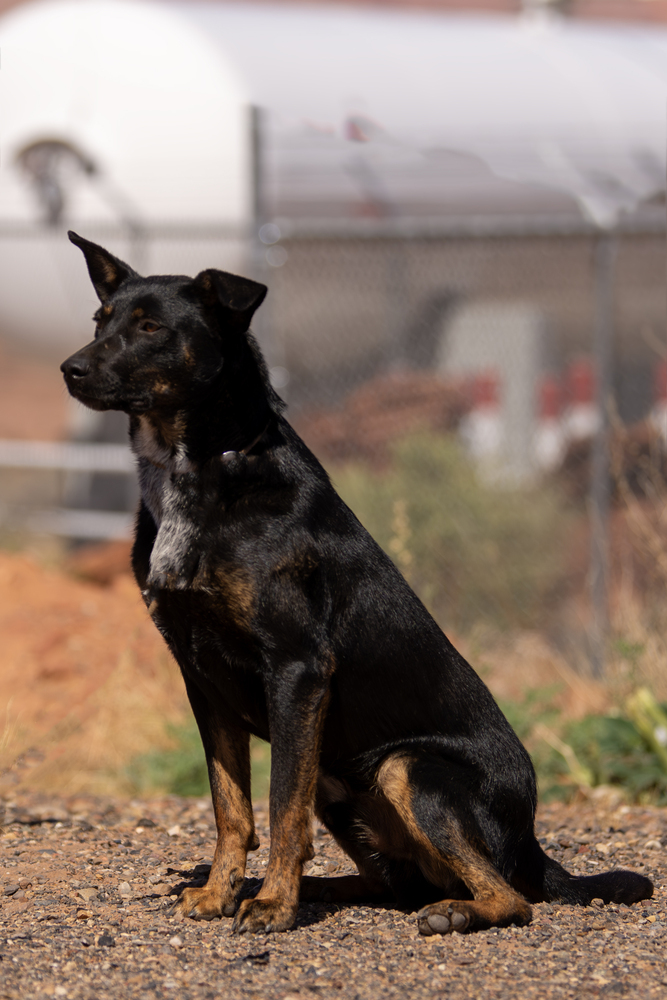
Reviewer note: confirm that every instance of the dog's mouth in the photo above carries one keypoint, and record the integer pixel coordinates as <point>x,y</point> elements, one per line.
<point>92,402</point>
<point>103,402</point>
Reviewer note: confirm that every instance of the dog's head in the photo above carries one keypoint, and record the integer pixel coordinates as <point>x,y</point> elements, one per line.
<point>159,341</point>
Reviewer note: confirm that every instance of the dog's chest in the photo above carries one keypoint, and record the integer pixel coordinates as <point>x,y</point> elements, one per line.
<point>157,465</point>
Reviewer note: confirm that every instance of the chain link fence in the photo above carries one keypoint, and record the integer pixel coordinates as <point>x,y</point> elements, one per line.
<point>446,377</point>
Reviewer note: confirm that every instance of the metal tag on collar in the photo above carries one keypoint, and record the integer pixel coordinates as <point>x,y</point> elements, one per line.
<point>244,451</point>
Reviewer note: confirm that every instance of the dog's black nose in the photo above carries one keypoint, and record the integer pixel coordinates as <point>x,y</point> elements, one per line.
<point>75,367</point>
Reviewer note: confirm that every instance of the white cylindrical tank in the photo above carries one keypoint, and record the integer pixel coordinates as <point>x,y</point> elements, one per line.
<point>135,93</point>
<point>402,112</point>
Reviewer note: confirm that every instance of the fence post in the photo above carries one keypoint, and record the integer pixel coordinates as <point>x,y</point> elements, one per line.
<point>261,324</point>
<point>600,496</point>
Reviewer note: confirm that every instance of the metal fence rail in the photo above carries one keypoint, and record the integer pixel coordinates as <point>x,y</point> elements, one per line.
<point>66,456</point>
<point>69,458</point>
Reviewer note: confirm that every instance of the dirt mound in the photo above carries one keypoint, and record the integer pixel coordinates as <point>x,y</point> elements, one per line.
<point>85,675</point>
<point>101,563</point>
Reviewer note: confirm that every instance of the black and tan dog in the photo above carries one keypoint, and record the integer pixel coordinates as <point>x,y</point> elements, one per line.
<point>289,622</point>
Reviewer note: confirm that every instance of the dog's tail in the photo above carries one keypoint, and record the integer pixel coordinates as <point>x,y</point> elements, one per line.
<point>543,879</point>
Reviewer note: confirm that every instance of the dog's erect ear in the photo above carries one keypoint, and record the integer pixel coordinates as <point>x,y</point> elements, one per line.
<point>107,273</point>
<point>239,297</point>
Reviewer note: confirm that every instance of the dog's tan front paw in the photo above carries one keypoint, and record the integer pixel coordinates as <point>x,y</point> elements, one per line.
<point>205,904</point>
<point>263,915</point>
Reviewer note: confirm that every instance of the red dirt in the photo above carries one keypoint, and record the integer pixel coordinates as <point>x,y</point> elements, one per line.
<point>62,638</point>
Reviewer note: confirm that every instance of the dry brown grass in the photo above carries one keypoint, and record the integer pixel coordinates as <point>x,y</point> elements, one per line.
<point>86,681</point>
<point>511,665</point>
<point>128,715</point>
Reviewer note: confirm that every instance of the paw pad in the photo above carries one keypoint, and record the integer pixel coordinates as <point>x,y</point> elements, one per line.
<point>439,923</point>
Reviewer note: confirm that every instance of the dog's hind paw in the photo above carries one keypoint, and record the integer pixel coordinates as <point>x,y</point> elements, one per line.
<point>442,919</point>
<point>469,914</point>
<point>259,916</point>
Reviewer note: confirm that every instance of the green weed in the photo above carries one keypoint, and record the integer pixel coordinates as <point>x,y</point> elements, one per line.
<point>613,752</point>
<point>625,749</point>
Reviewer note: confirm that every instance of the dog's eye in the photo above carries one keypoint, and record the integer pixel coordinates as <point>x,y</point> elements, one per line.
<point>148,326</point>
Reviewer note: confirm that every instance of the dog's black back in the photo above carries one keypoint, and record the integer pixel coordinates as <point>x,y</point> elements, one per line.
<point>290,623</point>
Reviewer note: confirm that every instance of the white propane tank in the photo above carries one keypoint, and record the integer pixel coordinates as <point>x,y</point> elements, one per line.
<point>151,126</point>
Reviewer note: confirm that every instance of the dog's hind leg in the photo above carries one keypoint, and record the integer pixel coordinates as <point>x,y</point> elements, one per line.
<point>338,809</point>
<point>228,759</point>
<point>445,852</point>
<point>366,826</point>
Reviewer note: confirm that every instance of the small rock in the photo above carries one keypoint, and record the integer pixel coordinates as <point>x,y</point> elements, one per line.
<point>175,941</point>
<point>597,902</point>
<point>25,883</point>
<point>161,888</point>
<point>125,889</point>
<point>174,831</point>
<point>146,823</point>
<point>9,890</point>
<point>316,870</point>
<point>83,915</point>
<point>105,941</point>
<point>88,894</point>
<point>652,845</point>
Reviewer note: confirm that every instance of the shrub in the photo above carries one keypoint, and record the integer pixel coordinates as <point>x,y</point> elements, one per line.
<point>623,749</point>
<point>471,551</point>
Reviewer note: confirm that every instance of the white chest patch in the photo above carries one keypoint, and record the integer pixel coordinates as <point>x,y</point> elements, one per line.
<point>157,464</point>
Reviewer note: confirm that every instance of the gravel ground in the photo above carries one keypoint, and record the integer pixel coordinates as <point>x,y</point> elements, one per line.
<point>87,887</point>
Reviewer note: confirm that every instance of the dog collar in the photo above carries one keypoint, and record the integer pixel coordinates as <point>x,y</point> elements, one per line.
<point>248,447</point>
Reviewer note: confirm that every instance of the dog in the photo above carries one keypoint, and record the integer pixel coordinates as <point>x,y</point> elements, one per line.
<point>290,623</point>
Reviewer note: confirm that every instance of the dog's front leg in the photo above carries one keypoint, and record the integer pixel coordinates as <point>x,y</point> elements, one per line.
<point>297,706</point>
<point>228,757</point>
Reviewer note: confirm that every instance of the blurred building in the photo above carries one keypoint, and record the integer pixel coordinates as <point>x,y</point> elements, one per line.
<point>647,11</point>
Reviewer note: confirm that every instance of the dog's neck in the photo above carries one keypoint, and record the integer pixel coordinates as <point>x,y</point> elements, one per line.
<point>161,443</point>
<point>168,443</point>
